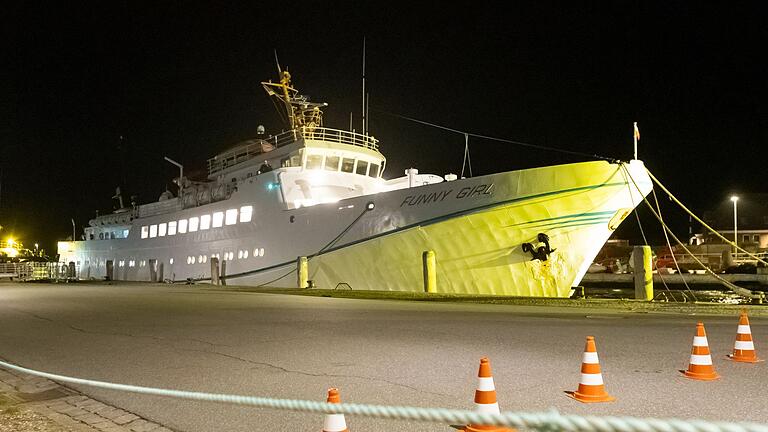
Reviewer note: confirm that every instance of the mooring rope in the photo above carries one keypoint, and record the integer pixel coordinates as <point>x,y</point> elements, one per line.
<point>541,421</point>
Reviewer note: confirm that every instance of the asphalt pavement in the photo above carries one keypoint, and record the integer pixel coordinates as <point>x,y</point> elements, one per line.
<point>376,351</point>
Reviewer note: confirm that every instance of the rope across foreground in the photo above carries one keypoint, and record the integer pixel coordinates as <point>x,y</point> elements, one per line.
<point>542,421</point>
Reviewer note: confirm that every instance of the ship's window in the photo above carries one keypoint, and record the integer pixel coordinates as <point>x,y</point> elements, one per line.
<point>162,229</point>
<point>200,259</point>
<point>256,252</point>
<point>314,161</point>
<point>245,253</point>
<point>182,226</point>
<point>172,228</point>
<point>296,160</point>
<point>240,254</point>
<point>112,235</point>
<point>261,252</point>
<point>746,238</point>
<point>756,238</point>
<point>171,261</point>
<point>218,219</point>
<point>332,163</point>
<point>362,167</point>
<point>205,222</point>
<point>245,213</point>
<point>152,231</point>
<point>101,236</point>
<point>193,260</point>
<point>285,162</point>
<point>347,165</point>
<point>193,223</point>
<point>373,171</point>
<point>231,217</point>
<point>125,233</point>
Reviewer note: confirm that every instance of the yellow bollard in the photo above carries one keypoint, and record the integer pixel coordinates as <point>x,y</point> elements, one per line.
<point>302,272</point>
<point>642,264</point>
<point>430,271</point>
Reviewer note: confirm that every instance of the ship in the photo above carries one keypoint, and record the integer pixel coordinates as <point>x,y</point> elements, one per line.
<point>310,207</point>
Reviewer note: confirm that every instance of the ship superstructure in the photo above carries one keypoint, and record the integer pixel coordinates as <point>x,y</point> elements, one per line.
<point>319,193</point>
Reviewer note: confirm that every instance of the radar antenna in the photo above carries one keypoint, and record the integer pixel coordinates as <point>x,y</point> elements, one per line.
<point>301,113</point>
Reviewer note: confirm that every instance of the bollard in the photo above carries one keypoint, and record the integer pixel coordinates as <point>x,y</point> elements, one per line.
<point>302,272</point>
<point>223,273</point>
<point>429,265</point>
<point>214,271</point>
<point>643,273</point>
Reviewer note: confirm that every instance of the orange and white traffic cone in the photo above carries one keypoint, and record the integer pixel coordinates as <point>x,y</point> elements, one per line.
<point>485,399</point>
<point>334,422</point>
<point>744,348</point>
<point>591,386</point>
<point>700,366</point>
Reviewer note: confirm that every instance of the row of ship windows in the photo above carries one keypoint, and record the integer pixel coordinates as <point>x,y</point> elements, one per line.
<point>228,256</point>
<point>204,222</point>
<point>202,259</point>
<point>337,163</point>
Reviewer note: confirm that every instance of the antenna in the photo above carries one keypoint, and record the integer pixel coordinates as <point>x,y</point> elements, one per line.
<point>367,116</point>
<point>277,62</point>
<point>363,84</point>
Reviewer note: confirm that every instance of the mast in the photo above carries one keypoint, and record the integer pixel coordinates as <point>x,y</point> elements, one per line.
<point>300,112</point>
<point>364,125</point>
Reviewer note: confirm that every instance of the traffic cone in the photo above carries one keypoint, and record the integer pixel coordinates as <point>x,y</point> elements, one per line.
<point>700,367</point>
<point>485,399</point>
<point>591,387</point>
<point>334,422</point>
<point>744,348</point>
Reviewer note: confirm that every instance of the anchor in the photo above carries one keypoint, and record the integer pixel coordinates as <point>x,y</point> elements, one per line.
<point>539,253</point>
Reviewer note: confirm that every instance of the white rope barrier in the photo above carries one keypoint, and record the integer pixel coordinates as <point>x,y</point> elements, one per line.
<point>543,421</point>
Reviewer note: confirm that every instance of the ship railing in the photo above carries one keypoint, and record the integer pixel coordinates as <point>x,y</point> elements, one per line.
<point>254,148</point>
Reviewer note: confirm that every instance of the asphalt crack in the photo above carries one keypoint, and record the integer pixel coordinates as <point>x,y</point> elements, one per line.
<point>316,375</point>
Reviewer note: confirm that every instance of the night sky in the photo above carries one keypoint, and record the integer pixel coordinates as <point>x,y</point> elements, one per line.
<point>179,80</point>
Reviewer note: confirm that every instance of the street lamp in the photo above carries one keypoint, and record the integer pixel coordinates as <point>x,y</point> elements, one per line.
<point>735,200</point>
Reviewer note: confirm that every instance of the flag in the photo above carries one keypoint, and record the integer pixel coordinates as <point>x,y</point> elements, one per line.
<point>637,132</point>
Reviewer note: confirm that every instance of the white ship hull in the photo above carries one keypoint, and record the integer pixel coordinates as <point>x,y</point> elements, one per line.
<point>476,228</point>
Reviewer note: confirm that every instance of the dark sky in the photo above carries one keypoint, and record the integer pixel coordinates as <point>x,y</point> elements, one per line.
<point>182,81</point>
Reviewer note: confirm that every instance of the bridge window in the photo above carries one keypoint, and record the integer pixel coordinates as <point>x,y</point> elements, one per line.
<point>314,162</point>
<point>218,219</point>
<point>144,232</point>
<point>152,231</point>
<point>332,163</point>
<point>347,165</point>
<point>182,226</point>
<point>231,218</point>
<point>162,229</point>
<point>172,228</point>
<point>373,171</point>
<point>362,167</point>
<point>205,222</point>
<point>246,213</point>
<point>193,223</point>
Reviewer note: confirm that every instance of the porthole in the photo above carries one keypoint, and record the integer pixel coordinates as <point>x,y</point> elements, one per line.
<point>261,252</point>
<point>171,261</point>
<point>231,256</point>
<point>256,252</point>
<point>240,254</point>
<point>245,253</point>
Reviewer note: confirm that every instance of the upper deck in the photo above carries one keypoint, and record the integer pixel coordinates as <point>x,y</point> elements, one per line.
<point>253,148</point>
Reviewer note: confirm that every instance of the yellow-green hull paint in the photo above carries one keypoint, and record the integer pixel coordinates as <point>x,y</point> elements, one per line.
<point>479,252</point>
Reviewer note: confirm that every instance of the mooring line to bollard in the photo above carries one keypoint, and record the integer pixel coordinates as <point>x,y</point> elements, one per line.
<point>542,421</point>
